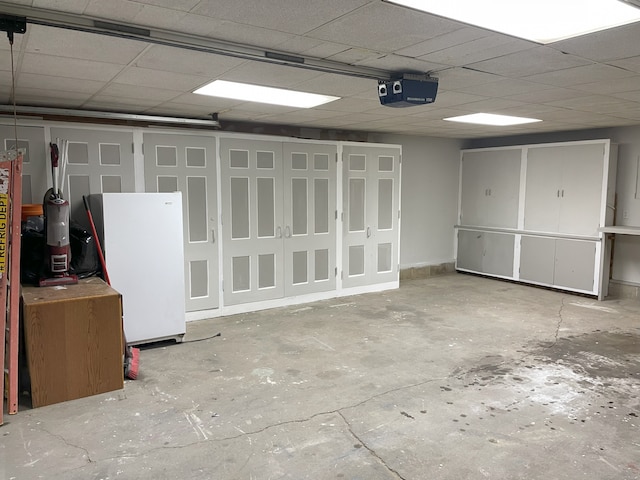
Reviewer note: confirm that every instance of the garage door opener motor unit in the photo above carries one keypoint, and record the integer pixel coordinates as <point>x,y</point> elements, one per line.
<point>408,91</point>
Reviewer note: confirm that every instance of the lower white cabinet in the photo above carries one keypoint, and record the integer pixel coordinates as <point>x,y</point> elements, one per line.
<point>559,262</point>
<point>486,252</point>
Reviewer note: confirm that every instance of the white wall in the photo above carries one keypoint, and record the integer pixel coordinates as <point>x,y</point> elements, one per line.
<point>430,176</point>
<point>626,254</point>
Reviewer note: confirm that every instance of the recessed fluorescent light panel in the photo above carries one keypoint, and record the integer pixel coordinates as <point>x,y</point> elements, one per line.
<point>260,94</point>
<point>542,21</point>
<point>492,119</point>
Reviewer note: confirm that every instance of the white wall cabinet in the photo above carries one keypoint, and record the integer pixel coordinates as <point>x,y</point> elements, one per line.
<point>558,262</point>
<point>371,202</point>
<point>564,189</point>
<point>279,219</point>
<point>551,200</point>
<point>268,221</point>
<point>486,252</point>
<point>490,188</point>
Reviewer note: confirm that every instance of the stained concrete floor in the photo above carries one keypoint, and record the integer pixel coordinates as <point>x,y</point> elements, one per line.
<point>453,377</point>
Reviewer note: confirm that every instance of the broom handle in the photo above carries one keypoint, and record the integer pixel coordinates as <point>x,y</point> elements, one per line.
<point>127,349</point>
<point>103,264</point>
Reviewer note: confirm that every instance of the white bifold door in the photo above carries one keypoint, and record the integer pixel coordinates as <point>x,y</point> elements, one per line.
<point>187,164</point>
<point>279,219</point>
<point>371,197</point>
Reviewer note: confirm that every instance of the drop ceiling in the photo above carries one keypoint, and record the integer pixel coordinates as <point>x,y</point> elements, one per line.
<point>587,82</point>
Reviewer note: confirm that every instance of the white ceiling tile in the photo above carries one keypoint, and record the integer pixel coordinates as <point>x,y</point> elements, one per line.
<point>138,92</point>
<point>529,62</point>
<point>248,35</point>
<point>269,74</point>
<point>549,94</point>
<point>291,16</point>
<point>171,59</point>
<point>25,94</point>
<point>213,104</point>
<point>114,10</point>
<point>69,67</point>
<point>184,5</point>
<point>140,103</point>
<point>383,27</point>
<point>312,47</point>
<point>614,85</point>
<point>631,63</point>
<point>490,105</point>
<point>73,6</point>
<point>338,85</point>
<point>451,99</point>
<point>81,45</point>
<point>30,80</point>
<point>353,55</point>
<point>160,79</point>
<point>579,75</point>
<point>503,87</point>
<point>158,17</point>
<point>616,43</point>
<point>458,35</point>
<point>459,78</point>
<point>396,63</point>
<point>631,96</point>
<point>491,46</point>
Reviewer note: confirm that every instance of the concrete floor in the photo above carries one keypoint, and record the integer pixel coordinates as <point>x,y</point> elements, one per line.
<point>454,377</point>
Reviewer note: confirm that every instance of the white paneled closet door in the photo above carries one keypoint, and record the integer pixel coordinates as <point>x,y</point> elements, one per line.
<point>187,164</point>
<point>309,218</point>
<point>371,196</point>
<point>99,161</point>
<point>252,219</point>
<point>36,162</point>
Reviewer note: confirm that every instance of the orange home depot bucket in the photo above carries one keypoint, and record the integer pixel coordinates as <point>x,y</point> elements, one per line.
<point>31,210</point>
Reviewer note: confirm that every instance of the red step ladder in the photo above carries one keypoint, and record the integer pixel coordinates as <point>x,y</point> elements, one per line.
<point>10,233</point>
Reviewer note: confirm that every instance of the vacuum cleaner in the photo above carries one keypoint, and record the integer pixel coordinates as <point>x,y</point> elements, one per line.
<point>56,218</point>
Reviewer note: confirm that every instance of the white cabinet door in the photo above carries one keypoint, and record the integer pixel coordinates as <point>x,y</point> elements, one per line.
<point>309,217</point>
<point>253,224</point>
<point>36,162</point>
<point>486,252</point>
<point>498,254</point>
<point>543,185</point>
<point>537,259</point>
<point>558,262</point>
<point>470,249</point>
<point>575,264</point>
<point>491,188</point>
<point>564,188</point>
<point>581,194</point>
<point>371,200</point>
<point>187,164</point>
<point>100,161</point>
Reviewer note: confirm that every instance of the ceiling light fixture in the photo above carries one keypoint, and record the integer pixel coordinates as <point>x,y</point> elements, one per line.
<point>260,94</point>
<point>542,21</point>
<point>492,119</point>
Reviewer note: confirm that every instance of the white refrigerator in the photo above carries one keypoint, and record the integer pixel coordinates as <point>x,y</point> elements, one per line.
<point>142,239</point>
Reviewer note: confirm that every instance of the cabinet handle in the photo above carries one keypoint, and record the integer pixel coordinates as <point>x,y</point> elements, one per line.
<point>563,193</point>
<point>213,235</point>
<point>279,232</point>
<point>558,194</point>
<point>287,232</point>
<point>368,232</point>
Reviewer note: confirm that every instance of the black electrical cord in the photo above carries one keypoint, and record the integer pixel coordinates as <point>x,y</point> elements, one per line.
<point>203,339</point>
